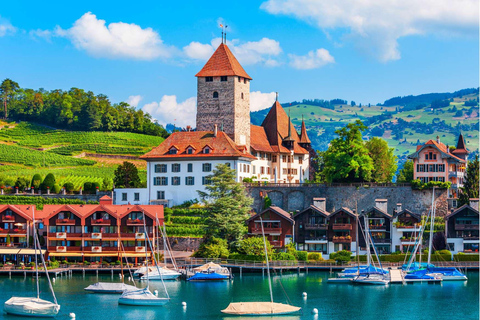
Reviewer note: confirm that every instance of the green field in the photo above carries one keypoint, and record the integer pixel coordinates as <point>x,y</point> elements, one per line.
<point>27,149</point>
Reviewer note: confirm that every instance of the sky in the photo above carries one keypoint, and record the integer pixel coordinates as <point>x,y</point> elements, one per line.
<point>148,52</point>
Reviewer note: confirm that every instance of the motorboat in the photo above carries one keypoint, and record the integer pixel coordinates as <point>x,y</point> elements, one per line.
<point>210,272</point>
<point>141,297</point>
<point>161,273</point>
<point>375,279</point>
<point>110,287</point>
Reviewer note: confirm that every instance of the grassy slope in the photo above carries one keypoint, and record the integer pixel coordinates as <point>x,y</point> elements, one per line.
<point>26,149</point>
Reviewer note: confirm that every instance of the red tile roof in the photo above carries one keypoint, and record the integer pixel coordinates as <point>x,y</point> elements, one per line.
<point>276,210</point>
<point>221,146</point>
<point>259,140</point>
<point>303,134</point>
<point>440,146</point>
<point>461,148</point>
<point>222,63</point>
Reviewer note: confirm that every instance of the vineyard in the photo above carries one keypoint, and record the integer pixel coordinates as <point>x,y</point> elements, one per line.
<point>40,201</point>
<point>186,223</point>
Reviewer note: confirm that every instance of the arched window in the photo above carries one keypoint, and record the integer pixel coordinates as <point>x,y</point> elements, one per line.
<point>215,94</point>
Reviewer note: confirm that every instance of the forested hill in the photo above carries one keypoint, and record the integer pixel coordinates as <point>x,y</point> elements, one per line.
<point>403,121</point>
<point>75,109</point>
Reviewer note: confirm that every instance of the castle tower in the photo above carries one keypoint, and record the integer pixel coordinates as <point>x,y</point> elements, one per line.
<point>223,96</point>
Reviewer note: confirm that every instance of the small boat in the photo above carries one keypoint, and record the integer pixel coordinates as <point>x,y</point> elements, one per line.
<point>355,271</point>
<point>448,273</point>
<point>29,306</point>
<point>210,272</point>
<point>340,280</point>
<point>261,308</point>
<point>141,297</point>
<point>422,276</point>
<point>110,287</point>
<point>161,273</point>
<point>375,279</point>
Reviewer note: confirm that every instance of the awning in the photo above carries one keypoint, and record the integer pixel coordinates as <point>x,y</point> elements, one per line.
<point>100,254</point>
<point>31,251</point>
<point>10,251</point>
<point>135,255</point>
<point>65,254</point>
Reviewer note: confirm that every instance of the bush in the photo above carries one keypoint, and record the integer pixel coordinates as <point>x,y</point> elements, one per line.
<point>342,256</point>
<point>213,248</point>
<point>302,255</point>
<point>314,256</point>
<point>22,183</point>
<point>254,246</point>
<point>56,188</point>
<point>36,181</point>
<point>48,182</point>
<point>443,252</point>
<point>69,187</point>
<point>283,256</point>
<point>87,263</point>
<point>465,257</point>
<point>64,261</point>
<point>239,256</point>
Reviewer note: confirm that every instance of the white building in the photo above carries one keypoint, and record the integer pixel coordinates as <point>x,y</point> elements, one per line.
<point>180,166</point>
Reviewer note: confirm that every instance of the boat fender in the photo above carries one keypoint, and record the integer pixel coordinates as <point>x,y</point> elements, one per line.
<point>315,311</point>
<point>155,293</point>
<point>184,304</point>
<point>304,294</point>
<point>72,315</point>
<point>53,280</point>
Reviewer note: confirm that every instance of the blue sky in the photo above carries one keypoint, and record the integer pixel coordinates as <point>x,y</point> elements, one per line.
<point>148,52</point>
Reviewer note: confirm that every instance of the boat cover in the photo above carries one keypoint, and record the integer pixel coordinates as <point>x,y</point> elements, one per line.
<point>365,269</point>
<point>446,271</point>
<point>31,307</point>
<point>208,266</point>
<point>417,266</point>
<point>141,297</point>
<point>419,274</point>
<point>259,308</point>
<point>110,287</point>
<point>200,276</point>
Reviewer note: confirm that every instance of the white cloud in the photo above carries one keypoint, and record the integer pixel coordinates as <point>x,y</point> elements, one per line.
<point>168,110</point>
<point>117,40</point>
<point>312,60</point>
<point>6,28</point>
<point>134,100</point>
<point>247,53</point>
<point>39,33</point>
<point>376,25</point>
<point>260,100</point>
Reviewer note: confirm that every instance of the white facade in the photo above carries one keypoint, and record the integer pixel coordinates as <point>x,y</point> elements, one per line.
<point>280,168</point>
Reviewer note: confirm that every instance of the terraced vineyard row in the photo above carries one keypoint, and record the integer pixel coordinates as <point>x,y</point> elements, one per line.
<point>99,148</point>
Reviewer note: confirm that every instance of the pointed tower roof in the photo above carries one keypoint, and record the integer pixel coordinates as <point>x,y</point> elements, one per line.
<point>461,149</point>
<point>222,63</point>
<point>303,134</point>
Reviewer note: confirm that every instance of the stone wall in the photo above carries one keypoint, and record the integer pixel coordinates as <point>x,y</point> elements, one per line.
<point>292,198</point>
<point>183,244</point>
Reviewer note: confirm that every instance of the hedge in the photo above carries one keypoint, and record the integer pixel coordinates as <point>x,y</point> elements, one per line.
<point>466,257</point>
<point>401,258</point>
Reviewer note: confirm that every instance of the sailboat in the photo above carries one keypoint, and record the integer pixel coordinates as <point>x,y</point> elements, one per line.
<point>144,297</point>
<point>112,287</point>
<point>371,275</point>
<point>34,307</point>
<point>261,308</point>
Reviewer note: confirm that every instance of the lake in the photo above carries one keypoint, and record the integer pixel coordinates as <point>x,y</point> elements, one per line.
<point>449,300</point>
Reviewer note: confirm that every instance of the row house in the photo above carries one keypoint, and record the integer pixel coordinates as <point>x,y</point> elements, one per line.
<point>406,229</point>
<point>462,228</point>
<point>379,227</point>
<point>277,226</point>
<point>435,161</point>
<point>15,223</point>
<point>94,232</point>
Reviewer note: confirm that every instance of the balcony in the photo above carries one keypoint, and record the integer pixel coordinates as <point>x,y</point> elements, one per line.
<point>65,222</point>
<point>378,227</point>
<point>456,174</point>
<point>471,238</point>
<point>316,226</point>
<point>380,241</point>
<point>8,218</point>
<point>276,243</point>
<point>267,230</point>
<point>139,249</point>
<point>342,226</point>
<point>96,249</point>
<point>133,235</point>
<point>13,231</point>
<point>316,239</point>
<point>409,240</point>
<point>346,239</point>
<point>64,249</point>
<point>140,236</point>
<point>134,222</point>
<point>466,226</point>
<point>96,235</point>
<point>101,222</point>
<point>110,235</point>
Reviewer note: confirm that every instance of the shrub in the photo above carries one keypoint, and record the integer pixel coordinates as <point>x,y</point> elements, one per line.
<point>87,263</point>
<point>213,248</point>
<point>314,256</point>
<point>64,261</point>
<point>54,264</point>
<point>48,182</point>
<point>267,202</point>
<point>342,256</point>
<point>283,256</point>
<point>69,187</point>
<point>254,246</point>
<point>22,183</point>
<point>36,181</point>
<point>466,257</point>
<point>302,255</point>
<point>443,252</point>
<point>239,256</point>
<point>56,188</point>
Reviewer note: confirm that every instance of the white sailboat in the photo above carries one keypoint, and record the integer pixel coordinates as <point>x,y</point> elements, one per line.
<point>34,307</point>
<point>144,297</point>
<point>261,308</point>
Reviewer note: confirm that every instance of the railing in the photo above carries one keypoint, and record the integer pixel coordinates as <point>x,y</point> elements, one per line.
<point>64,249</point>
<point>377,241</point>
<point>466,226</point>
<point>342,239</point>
<point>456,174</point>
<point>276,243</point>
<point>13,231</point>
<point>377,227</point>
<point>315,185</point>
<point>309,238</point>
<point>65,221</point>
<point>342,226</point>
<point>110,235</point>
<point>321,226</point>
<point>266,230</point>
<point>8,219</point>
<point>134,222</point>
<point>105,222</point>
<point>132,235</point>
<point>408,240</point>
<point>471,238</point>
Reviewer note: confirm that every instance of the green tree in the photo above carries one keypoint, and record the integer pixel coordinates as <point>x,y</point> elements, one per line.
<point>347,158</point>
<point>48,182</point>
<point>406,173</point>
<point>36,181</point>
<point>253,246</point>
<point>8,89</point>
<point>213,248</point>
<point>384,161</point>
<point>318,164</point>
<point>471,183</point>
<point>22,183</point>
<point>126,176</point>
<point>228,206</point>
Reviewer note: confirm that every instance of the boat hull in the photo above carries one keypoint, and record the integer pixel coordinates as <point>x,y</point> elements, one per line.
<point>208,277</point>
<point>31,307</point>
<point>143,302</point>
<point>109,288</point>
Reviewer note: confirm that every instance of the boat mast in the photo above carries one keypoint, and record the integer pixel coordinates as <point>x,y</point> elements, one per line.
<point>36,257</point>
<point>146,245</point>
<point>268,266</point>
<point>366,240</point>
<point>432,219</point>
<point>357,246</point>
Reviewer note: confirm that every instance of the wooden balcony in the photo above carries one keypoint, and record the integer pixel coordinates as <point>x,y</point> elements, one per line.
<point>342,240</point>
<point>65,222</point>
<point>134,222</point>
<point>342,226</point>
<point>64,249</point>
<point>316,226</point>
<point>276,243</point>
<point>110,235</point>
<point>101,222</point>
<point>466,226</point>
<point>267,230</point>
<point>8,219</point>
<point>13,232</point>
<point>378,227</point>
<point>132,235</point>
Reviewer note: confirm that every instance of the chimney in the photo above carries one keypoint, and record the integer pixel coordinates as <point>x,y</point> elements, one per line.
<point>381,204</point>
<point>399,207</point>
<point>215,130</point>
<point>448,149</point>
<point>438,139</point>
<point>474,203</point>
<point>320,203</point>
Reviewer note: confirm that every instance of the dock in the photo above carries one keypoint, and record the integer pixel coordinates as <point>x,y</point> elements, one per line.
<point>396,276</point>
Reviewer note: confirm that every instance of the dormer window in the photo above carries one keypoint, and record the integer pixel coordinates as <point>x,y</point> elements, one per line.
<point>189,150</point>
<point>207,150</point>
<point>215,94</point>
<point>223,78</point>
<point>208,79</point>
<point>172,150</point>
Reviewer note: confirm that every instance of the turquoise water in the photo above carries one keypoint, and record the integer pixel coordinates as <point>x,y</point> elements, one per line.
<point>450,300</point>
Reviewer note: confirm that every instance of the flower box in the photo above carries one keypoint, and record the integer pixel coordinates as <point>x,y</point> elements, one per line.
<point>61,249</point>
<point>96,249</point>
<point>139,249</point>
<point>61,235</point>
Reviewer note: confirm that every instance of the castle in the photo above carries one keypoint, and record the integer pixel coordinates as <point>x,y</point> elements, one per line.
<point>181,165</point>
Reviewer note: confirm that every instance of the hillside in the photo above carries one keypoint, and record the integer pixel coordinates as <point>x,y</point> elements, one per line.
<point>72,156</point>
<point>403,121</point>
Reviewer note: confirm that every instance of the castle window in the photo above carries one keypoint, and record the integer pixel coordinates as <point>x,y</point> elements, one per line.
<point>434,156</point>
<point>223,78</point>
<point>175,181</point>
<point>172,150</point>
<point>160,181</point>
<point>245,80</point>
<point>274,158</point>
<point>206,180</point>
<point>189,150</point>
<point>300,160</point>
<point>206,150</point>
<point>239,79</point>
<point>284,158</point>
<point>268,170</point>
<point>209,79</point>
<point>160,195</point>
<point>262,170</point>
<point>242,95</point>
<point>160,168</point>
<point>215,94</point>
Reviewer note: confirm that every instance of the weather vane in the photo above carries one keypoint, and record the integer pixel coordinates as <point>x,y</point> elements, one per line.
<point>224,33</point>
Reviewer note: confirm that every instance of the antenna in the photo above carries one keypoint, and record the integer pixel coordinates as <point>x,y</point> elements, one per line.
<point>221,26</point>
<point>276,97</point>
<point>225,32</point>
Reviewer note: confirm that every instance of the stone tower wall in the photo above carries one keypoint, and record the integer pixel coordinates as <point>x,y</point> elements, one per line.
<point>228,109</point>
